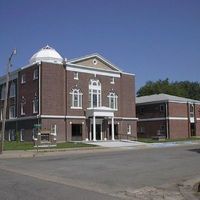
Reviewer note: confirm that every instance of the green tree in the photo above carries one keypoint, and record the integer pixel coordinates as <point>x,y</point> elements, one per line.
<point>183,88</point>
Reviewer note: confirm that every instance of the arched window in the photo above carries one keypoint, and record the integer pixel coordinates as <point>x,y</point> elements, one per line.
<point>12,90</point>
<point>113,100</point>
<point>3,91</point>
<point>94,93</point>
<point>76,98</point>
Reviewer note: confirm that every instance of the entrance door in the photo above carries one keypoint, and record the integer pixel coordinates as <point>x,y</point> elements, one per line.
<point>98,131</point>
<point>115,131</point>
<point>192,129</point>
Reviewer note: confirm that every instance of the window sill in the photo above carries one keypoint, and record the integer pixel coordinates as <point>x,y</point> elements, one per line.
<point>77,108</point>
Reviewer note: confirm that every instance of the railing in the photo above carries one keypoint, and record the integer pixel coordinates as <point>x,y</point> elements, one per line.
<point>125,137</point>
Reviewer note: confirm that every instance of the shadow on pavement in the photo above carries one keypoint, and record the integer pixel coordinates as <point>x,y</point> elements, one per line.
<point>195,150</point>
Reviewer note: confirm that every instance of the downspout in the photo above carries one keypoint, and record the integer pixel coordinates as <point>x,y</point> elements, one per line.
<point>167,119</point>
<point>39,92</point>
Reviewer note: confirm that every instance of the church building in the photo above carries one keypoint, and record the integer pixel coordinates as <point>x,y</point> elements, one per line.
<point>86,98</point>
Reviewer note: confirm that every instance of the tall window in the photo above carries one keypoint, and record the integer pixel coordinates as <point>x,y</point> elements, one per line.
<point>12,112</point>
<point>1,113</point>
<point>76,98</point>
<point>12,90</point>
<point>21,135</point>
<point>35,74</point>
<point>191,107</point>
<point>23,78</point>
<point>35,105</point>
<point>113,100</point>
<point>94,93</point>
<point>3,91</point>
<point>129,129</point>
<point>23,102</point>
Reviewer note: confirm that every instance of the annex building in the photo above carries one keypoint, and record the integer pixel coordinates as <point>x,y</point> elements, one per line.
<point>86,98</point>
<point>169,116</point>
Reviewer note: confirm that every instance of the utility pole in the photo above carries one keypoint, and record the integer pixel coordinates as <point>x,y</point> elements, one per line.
<point>9,64</point>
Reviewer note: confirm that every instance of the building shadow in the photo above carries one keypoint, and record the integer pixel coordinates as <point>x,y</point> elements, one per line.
<point>195,150</point>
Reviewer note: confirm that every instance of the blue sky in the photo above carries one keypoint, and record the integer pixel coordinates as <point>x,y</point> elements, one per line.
<point>154,39</point>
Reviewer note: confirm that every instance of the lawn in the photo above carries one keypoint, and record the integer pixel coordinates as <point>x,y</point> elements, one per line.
<point>150,140</point>
<point>29,145</point>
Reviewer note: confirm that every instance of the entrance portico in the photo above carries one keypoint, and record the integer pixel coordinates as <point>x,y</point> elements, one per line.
<point>96,115</point>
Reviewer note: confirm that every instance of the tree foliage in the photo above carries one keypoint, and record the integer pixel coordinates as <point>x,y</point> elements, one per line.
<point>183,88</point>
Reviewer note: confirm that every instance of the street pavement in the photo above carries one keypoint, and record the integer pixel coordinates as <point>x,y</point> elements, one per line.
<point>148,173</point>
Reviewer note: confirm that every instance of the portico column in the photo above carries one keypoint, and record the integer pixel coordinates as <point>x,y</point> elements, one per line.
<point>113,130</point>
<point>94,128</point>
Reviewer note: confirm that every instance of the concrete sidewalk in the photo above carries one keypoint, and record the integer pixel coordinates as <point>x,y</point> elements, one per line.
<point>102,146</point>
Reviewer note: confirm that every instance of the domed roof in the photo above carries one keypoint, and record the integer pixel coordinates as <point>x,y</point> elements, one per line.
<point>46,54</point>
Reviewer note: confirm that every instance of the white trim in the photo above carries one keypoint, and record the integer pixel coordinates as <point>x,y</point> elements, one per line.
<point>127,118</point>
<point>62,116</point>
<point>163,118</point>
<point>152,119</point>
<point>177,118</point>
<point>198,119</point>
<point>92,70</point>
<point>166,101</point>
<point>75,117</point>
<point>22,118</point>
<point>53,116</point>
<point>127,73</point>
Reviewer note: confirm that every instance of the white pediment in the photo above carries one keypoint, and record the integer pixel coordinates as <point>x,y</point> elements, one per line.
<point>95,61</point>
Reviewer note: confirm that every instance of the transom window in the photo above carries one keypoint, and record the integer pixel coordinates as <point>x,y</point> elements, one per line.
<point>113,100</point>
<point>76,98</point>
<point>94,93</point>
<point>12,90</point>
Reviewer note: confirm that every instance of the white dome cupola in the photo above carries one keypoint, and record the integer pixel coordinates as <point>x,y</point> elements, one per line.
<point>48,54</point>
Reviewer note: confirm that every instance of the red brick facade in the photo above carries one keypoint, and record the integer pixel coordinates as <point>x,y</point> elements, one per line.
<point>168,118</point>
<point>52,88</point>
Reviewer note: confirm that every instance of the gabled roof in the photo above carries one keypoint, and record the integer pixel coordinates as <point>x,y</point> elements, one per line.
<point>97,56</point>
<point>163,98</point>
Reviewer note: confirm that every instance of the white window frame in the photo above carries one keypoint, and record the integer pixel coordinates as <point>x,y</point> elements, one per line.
<point>12,112</point>
<point>94,90</point>
<point>112,80</point>
<point>11,133</point>
<point>23,78</point>
<point>1,113</point>
<point>113,100</point>
<point>12,92</point>
<point>76,93</point>
<point>34,105</point>
<point>76,76</point>
<point>23,103</point>
<point>22,109</point>
<point>35,74</point>
<point>21,135</point>
<point>129,129</point>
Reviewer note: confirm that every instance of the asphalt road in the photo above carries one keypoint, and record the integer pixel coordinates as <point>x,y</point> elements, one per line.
<point>96,175</point>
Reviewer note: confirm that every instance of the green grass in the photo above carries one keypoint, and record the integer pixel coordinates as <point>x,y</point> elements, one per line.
<point>18,145</point>
<point>29,145</point>
<point>150,140</point>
